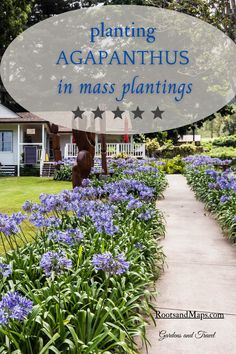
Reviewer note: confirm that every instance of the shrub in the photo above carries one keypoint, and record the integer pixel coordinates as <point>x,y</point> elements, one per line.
<point>64,170</point>
<point>182,150</point>
<point>228,141</point>
<point>223,152</point>
<point>173,166</point>
<point>152,145</point>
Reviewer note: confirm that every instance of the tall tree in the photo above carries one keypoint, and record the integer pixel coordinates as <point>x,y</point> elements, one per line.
<point>14,16</point>
<point>211,11</point>
<point>43,9</point>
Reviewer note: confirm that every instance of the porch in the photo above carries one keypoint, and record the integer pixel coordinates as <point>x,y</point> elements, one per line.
<point>22,144</point>
<point>33,145</point>
<point>130,149</point>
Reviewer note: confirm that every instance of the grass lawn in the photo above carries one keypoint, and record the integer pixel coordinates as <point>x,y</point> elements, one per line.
<point>14,191</point>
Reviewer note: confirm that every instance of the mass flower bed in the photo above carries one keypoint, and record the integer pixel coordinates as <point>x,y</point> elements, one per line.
<point>85,282</point>
<point>215,184</point>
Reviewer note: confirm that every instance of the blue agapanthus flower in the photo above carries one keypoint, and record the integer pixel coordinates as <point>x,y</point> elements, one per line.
<point>40,220</point>
<point>55,262</point>
<point>9,224</point>
<point>69,237</point>
<point>139,246</point>
<point>146,215</point>
<point>134,204</point>
<point>5,269</point>
<point>14,306</point>
<point>225,198</point>
<point>110,264</point>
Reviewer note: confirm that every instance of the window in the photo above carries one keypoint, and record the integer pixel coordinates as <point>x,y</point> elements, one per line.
<point>6,140</point>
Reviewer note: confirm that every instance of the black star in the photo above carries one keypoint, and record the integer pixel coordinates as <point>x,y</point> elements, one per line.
<point>98,113</point>
<point>118,113</point>
<point>78,113</point>
<point>138,113</point>
<point>157,113</point>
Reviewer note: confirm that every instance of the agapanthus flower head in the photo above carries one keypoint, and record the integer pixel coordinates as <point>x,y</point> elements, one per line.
<point>69,237</point>
<point>14,306</point>
<point>96,170</point>
<point>54,202</point>
<point>147,169</point>
<point>29,206</point>
<point>8,225</point>
<point>55,262</point>
<point>40,220</point>
<point>114,265</point>
<point>69,161</point>
<point>225,198</point>
<point>118,197</point>
<point>130,172</point>
<point>146,215</point>
<point>19,217</point>
<point>212,185</point>
<point>100,213</point>
<point>211,173</point>
<point>5,269</point>
<point>86,182</point>
<point>134,204</point>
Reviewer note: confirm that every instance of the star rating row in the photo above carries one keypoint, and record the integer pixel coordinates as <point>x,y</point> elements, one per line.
<point>138,113</point>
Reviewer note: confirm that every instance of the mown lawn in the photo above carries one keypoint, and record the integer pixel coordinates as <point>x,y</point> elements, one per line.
<point>14,191</point>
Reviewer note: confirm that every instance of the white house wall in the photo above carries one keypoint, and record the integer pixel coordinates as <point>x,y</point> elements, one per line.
<point>9,158</point>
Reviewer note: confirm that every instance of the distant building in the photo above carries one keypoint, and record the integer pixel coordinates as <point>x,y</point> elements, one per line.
<point>26,139</point>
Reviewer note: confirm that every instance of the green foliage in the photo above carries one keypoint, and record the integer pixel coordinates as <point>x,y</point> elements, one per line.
<point>121,155</point>
<point>228,141</point>
<point>152,145</point>
<point>213,11</point>
<point>170,151</point>
<point>210,192</point>
<point>63,174</point>
<point>223,152</point>
<point>230,123</point>
<point>174,165</point>
<point>13,19</point>
<point>221,123</point>
<point>222,148</point>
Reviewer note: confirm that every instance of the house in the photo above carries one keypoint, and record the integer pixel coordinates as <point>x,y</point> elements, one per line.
<point>26,140</point>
